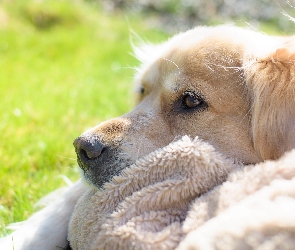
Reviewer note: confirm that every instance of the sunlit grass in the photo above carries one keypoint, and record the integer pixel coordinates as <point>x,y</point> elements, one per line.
<point>64,66</point>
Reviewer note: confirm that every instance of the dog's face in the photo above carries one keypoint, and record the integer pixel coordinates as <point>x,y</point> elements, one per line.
<point>200,83</point>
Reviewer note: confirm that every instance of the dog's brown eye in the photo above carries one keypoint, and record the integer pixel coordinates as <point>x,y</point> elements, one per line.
<point>190,101</point>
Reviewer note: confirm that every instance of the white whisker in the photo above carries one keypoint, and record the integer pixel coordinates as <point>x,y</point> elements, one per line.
<point>172,63</point>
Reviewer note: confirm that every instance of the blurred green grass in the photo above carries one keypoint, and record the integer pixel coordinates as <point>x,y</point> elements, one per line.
<point>64,66</point>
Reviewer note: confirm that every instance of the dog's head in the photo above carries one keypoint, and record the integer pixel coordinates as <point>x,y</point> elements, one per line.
<point>231,87</point>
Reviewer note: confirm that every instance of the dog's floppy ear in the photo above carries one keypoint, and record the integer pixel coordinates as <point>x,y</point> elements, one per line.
<point>271,83</point>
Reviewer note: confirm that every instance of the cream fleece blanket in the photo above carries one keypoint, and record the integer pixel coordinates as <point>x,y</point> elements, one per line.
<point>188,196</point>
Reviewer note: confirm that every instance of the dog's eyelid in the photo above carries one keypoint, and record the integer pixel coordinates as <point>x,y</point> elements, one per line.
<point>193,94</point>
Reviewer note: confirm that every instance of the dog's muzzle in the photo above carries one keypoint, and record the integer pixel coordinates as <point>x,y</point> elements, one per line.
<point>98,161</point>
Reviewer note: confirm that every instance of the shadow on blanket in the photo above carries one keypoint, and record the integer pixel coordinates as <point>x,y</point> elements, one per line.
<point>187,196</point>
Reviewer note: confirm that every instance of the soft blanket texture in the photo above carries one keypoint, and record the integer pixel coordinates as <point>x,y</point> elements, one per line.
<point>188,196</point>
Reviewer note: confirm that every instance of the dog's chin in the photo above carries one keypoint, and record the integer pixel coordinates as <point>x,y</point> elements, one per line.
<point>98,180</point>
<point>100,172</point>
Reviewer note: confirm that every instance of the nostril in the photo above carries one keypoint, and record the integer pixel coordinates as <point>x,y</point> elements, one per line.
<point>92,153</point>
<point>89,147</point>
<point>83,153</point>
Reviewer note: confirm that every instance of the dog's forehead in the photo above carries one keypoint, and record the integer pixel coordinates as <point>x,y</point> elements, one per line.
<point>165,62</point>
<point>204,52</point>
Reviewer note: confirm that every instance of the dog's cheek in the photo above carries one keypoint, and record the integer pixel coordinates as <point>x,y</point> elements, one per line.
<point>148,132</point>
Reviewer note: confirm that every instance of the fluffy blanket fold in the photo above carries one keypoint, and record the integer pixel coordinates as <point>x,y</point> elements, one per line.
<point>188,196</point>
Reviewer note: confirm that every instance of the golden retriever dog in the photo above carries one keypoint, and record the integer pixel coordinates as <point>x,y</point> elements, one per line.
<point>231,87</point>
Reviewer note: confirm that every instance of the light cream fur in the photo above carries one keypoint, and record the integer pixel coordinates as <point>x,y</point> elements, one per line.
<point>246,80</point>
<point>175,198</point>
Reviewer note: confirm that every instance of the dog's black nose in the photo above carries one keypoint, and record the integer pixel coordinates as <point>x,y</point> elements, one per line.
<point>88,148</point>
